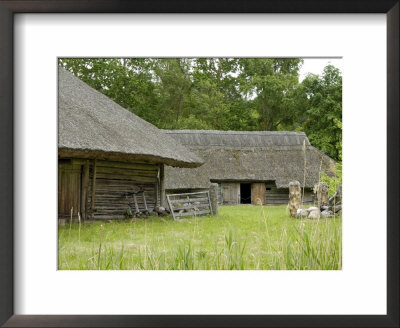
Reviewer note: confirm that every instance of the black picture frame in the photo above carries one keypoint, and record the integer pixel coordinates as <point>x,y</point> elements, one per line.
<point>7,198</point>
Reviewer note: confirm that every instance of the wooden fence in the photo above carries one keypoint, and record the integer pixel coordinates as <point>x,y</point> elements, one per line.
<point>188,204</point>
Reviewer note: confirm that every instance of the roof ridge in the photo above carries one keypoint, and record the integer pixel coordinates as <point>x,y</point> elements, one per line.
<point>232,132</point>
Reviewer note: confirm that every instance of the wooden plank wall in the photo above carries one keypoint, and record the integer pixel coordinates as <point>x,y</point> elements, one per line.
<point>69,189</point>
<point>280,196</point>
<point>114,180</point>
<point>229,194</point>
<point>275,196</point>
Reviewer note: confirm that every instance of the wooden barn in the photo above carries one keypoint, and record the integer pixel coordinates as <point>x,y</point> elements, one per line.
<point>105,153</point>
<point>249,167</point>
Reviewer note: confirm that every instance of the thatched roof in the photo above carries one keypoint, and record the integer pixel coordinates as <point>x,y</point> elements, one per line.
<point>247,156</point>
<point>91,125</point>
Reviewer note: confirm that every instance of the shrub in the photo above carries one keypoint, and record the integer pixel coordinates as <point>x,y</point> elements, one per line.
<point>334,181</point>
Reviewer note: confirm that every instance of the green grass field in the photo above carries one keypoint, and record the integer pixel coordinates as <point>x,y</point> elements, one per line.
<point>240,237</point>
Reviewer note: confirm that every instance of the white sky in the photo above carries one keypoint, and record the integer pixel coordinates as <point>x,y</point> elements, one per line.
<point>316,65</point>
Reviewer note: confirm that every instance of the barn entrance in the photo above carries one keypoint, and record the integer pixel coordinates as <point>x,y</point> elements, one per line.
<point>245,193</point>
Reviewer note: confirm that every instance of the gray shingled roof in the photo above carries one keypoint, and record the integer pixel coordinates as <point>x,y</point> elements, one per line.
<point>91,125</point>
<point>247,156</point>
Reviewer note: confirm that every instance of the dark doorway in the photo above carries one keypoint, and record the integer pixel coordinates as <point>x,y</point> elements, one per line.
<point>245,193</point>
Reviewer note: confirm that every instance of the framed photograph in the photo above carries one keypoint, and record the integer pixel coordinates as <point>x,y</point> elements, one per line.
<point>54,272</point>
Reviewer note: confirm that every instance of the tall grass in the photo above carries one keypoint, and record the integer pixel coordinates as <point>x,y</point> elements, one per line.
<point>239,238</point>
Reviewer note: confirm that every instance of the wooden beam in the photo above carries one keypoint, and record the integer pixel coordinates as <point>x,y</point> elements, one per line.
<point>193,213</point>
<point>188,200</point>
<point>144,202</point>
<point>171,208</point>
<point>162,186</point>
<point>209,202</point>
<point>157,190</point>
<point>136,204</point>
<point>130,166</point>
<point>191,207</point>
<point>188,193</point>
<point>94,188</point>
<point>85,190</point>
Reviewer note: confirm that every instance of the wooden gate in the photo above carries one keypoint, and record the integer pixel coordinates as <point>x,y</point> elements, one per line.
<point>230,193</point>
<point>188,204</point>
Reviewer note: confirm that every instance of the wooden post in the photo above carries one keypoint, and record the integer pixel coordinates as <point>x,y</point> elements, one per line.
<point>85,190</point>
<point>322,194</point>
<point>162,185</point>
<point>157,189</point>
<point>294,197</point>
<point>214,197</point>
<point>94,187</point>
<point>209,202</point>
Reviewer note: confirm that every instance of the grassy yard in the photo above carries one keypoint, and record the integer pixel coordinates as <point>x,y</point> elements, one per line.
<point>240,237</point>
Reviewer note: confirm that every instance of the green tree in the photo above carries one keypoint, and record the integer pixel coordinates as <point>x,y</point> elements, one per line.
<point>173,84</point>
<point>323,113</point>
<point>271,86</point>
<point>215,96</point>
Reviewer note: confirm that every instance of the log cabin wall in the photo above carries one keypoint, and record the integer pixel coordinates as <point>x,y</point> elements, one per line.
<point>114,180</point>
<point>229,194</point>
<point>280,196</point>
<point>275,196</point>
<point>99,187</point>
